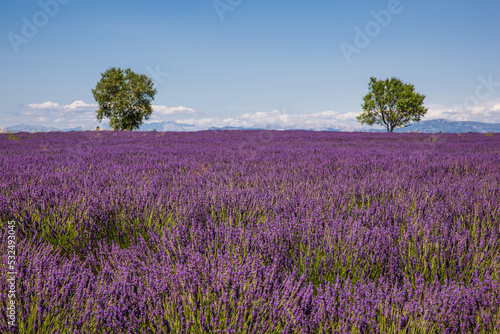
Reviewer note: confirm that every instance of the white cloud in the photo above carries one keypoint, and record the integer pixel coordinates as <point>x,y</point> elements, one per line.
<point>169,111</point>
<point>53,106</point>
<point>80,105</point>
<point>70,115</point>
<point>83,114</point>
<point>80,113</point>
<point>277,119</point>
<point>44,106</point>
<point>164,113</point>
<point>486,111</point>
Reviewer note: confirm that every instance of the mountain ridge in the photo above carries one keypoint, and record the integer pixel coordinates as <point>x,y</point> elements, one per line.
<point>426,126</point>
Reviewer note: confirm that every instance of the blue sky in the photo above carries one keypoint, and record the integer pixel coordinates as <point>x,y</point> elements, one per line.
<point>248,62</point>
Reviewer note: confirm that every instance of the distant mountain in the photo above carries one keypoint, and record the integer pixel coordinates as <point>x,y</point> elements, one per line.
<point>30,128</point>
<point>270,126</point>
<point>78,128</point>
<point>231,128</point>
<point>448,126</point>
<point>158,126</point>
<point>166,126</point>
<point>432,126</point>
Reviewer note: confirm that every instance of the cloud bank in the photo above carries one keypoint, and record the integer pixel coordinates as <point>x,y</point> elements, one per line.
<point>486,112</point>
<point>277,119</point>
<point>80,113</point>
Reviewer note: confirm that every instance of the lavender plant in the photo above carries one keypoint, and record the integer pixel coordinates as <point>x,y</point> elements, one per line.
<point>314,232</point>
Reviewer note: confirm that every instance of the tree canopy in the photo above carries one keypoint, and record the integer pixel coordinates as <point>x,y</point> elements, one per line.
<point>391,103</point>
<point>124,97</point>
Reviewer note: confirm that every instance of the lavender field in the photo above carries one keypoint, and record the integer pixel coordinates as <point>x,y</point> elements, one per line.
<point>252,232</point>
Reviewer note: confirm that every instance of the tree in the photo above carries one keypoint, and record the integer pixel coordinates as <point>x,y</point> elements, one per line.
<point>391,103</point>
<point>124,97</point>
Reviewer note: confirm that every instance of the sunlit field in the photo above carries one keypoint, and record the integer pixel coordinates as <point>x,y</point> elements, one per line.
<point>252,232</point>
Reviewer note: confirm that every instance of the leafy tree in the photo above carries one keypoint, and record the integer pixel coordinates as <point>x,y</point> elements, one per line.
<point>124,97</point>
<point>391,103</point>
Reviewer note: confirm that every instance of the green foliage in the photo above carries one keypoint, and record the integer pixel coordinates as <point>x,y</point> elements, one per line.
<point>489,134</point>
<point>391,103</point>
<point>13,137</point>
<point>124,97</point>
